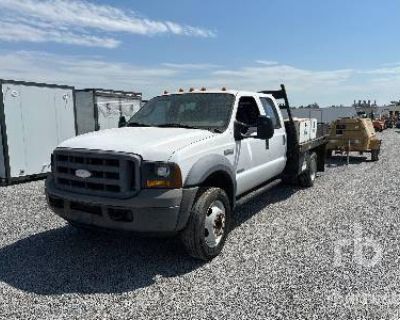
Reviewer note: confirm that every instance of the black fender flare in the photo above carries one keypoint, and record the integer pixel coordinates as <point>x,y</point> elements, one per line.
<point>198,174</point>
<point>205,167</point>
<point>208,165</point>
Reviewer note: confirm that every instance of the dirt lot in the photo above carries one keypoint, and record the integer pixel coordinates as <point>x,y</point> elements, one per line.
<point>327,252</point>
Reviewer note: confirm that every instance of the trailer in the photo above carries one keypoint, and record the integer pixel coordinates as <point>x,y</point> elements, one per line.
<point>34,119</point>
<point>99,109</point>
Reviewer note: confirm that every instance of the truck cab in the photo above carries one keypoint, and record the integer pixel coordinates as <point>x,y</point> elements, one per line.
<point>179,165</point>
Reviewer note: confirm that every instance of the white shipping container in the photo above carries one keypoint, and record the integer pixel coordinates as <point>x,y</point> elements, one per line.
<point>34,119</point>
<point>98,109</point>
<point>306,129</point>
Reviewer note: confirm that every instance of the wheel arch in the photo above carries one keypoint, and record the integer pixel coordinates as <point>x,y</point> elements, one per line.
<point>213,171</point>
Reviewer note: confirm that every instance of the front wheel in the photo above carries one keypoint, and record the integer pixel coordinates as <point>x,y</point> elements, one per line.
<point>307,178</point>
<point>208,226</point>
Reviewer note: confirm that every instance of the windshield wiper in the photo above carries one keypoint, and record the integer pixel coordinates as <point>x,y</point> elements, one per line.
<point>137,124</point>
<point>176,125</point>
<point>172,125</point>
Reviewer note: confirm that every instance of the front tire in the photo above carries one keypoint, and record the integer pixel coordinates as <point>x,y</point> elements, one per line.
<point>208,226</point>
<point>307,178</point>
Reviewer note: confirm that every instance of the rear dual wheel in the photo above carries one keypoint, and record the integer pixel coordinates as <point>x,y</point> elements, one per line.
<point>307,178</point>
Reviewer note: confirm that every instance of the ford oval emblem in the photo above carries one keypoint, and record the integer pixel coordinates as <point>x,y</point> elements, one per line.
<point>82,173</point>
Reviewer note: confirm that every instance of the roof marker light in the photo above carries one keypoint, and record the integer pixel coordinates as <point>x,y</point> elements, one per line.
<point>191,89</point>
<point>165,92</point>
<point>181,90</point>
<point>223,89</point>
<point>203,89</point>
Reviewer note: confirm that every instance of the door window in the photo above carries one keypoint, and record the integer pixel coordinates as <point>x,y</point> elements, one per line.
<point>248,111</point>
<point>271,112</point>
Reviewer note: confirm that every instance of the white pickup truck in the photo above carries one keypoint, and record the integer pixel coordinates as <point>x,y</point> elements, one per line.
<point>180,164</point>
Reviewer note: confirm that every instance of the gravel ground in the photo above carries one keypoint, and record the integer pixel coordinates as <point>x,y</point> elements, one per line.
<point>327,252</point>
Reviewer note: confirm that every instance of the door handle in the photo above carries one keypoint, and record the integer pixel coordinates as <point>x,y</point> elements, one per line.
<point>228,152</point>
<point>284,139</point>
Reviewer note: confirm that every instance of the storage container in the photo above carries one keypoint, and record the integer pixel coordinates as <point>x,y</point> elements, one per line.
<point>34,119</point>
<point>99,109</point>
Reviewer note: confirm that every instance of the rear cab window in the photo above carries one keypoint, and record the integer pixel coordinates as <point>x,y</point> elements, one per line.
<point>271,111</point>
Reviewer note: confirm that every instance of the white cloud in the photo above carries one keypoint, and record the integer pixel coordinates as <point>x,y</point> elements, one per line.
<point>82,72</point>
<point>304,86</point>
<point>14,33</point>
<point>267,62</point>
<point>388,70</point>
<point>191,66</point>
<point>80,22</point>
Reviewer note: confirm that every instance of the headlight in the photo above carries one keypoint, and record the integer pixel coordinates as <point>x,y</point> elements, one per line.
<point>161,175</point>
<point>163,171</point>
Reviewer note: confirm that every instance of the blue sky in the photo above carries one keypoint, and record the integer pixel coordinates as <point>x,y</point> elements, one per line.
<point>330,52</point>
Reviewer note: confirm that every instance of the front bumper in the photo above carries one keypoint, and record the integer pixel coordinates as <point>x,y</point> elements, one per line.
<point>150,211</point>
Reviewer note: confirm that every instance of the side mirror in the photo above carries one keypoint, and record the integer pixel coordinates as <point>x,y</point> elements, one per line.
<point>265,128</point>
<point>122,122</point>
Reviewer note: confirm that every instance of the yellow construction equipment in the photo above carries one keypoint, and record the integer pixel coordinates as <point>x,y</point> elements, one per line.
<point>354,134</point>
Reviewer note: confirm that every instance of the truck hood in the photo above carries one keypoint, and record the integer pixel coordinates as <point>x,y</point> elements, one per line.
<point>155,144</point>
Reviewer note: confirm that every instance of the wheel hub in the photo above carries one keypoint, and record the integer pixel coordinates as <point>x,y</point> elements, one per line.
<point>215,224</point>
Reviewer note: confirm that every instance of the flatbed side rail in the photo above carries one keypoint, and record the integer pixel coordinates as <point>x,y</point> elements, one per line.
<point>306,146</point>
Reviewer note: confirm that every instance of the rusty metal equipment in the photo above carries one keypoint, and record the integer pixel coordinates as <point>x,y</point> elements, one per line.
<point>379,125</point>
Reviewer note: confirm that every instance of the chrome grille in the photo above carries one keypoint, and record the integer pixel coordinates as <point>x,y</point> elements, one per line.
<point>110,174</point>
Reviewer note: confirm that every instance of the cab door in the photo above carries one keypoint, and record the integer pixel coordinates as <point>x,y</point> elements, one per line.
<point>274,159</point>
<point>258,160</point>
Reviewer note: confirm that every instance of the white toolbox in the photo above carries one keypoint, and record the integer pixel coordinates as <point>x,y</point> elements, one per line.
<point>314,128</point>
<point>306,129</point>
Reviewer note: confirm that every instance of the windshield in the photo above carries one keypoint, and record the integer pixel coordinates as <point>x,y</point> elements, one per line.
<point>210,111</point>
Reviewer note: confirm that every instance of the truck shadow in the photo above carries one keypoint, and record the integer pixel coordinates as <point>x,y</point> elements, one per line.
<point>66,260</point>
<point>254,202</point>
